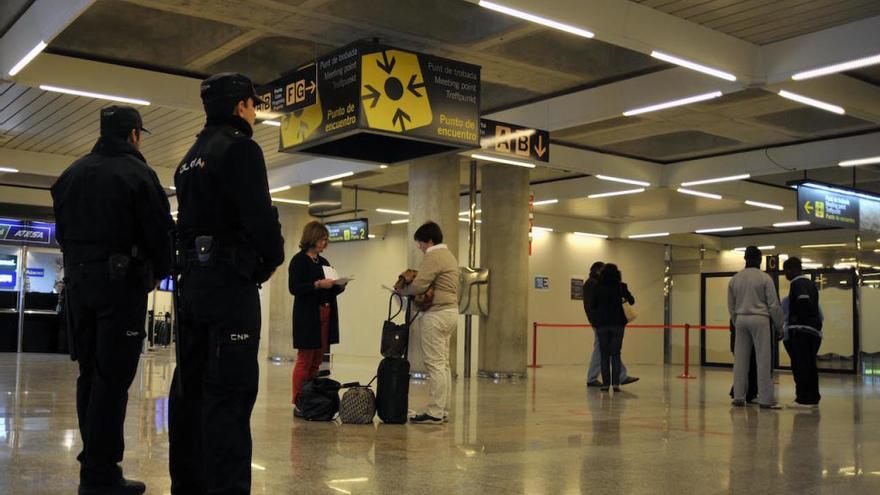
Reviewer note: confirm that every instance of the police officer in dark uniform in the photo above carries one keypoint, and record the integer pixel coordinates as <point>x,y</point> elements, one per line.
<point>114,227</point>
<point>229,242</point>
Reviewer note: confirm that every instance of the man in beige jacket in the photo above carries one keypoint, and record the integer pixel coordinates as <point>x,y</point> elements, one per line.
<point>439,269</point>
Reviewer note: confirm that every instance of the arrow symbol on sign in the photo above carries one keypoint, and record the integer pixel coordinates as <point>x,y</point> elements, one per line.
<point>385,65</point>
<point>374,95</point>
<point>400,115</point>
<point>808,208</point>
<point>413,86</point>
<point>539,148</point>
<point>311,87</point>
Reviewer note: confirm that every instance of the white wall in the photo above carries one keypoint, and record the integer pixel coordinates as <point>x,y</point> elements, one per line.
<point>870,313</point>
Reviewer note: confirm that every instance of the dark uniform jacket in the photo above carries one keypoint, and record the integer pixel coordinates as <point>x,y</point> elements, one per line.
<point>589,291</point>
<point>803,306</point>
<point>302,274</point>
<point>607,305</point>
<point>109,201</point>
<point>223,192</point>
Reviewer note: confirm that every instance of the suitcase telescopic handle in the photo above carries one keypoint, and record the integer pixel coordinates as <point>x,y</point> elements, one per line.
<point>350,385</point>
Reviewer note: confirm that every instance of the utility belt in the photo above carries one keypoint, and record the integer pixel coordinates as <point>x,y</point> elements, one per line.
<point>206,252</point>
<point>121,267</point>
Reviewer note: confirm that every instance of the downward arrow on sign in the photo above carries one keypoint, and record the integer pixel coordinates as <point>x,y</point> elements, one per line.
<point>539,148</point>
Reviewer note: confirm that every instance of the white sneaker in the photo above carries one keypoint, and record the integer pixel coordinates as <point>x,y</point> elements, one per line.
<point>797,405</point>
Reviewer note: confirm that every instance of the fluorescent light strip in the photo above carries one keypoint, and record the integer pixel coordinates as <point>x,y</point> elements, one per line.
<point>502,160</point>
<point>716,180</point>
<point>279,189</point>
<point>332,177</point>
<point>383,166</point>
<point>765,205</point>
<point>839,191</point>
<point>699,193</point>
<point>467,212</point>
<point>291,201</point>
<point>860,161</point>
<point>624,181</point>
<point>536,19</point>
<point>371,236</point>
<point>719,229</point>
<point>465,220</point>
<point>173,188</point>
<point>817,246</point>
<point>27,58</point>
<point>812,102</point>
<point>782,225</point>
<point>616,193</point>
<point>762,248</point>
<point>545,202</point>
<point>397,222</point>
<point>587,234</point>
<point>645,236</point>
<point>673,103</point>
<point>273,123</point>
<point>100,96</point>
<point>392,212</point>
<point>8,170</point>
<point>693,65</point>
<point>542,229</point>
<point>841,67</point>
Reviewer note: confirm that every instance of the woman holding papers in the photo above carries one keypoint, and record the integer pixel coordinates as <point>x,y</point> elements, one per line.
<point>313,283</point>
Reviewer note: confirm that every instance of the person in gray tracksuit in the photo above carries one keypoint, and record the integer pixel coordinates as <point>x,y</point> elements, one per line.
<point>755,312</point>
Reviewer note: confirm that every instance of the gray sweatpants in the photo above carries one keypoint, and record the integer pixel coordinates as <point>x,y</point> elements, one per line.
<point>753,331</point>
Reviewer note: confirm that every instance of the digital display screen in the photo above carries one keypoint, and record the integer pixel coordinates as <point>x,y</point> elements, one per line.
<point>167,284</point>
<point>351,230</point>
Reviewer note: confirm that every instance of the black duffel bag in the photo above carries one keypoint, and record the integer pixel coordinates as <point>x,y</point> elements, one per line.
<point>318,399</point>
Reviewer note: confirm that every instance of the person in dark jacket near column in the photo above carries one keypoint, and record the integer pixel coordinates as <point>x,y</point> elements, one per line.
<point>229,242</point>
<point>595,367</point>
<point>114,225</point>
<point>607,311</point>
<point>315,313</point>
<point>804,327</point>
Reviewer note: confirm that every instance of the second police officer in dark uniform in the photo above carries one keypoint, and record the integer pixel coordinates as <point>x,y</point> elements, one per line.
<point>229,242</point>
<point>114,227</point>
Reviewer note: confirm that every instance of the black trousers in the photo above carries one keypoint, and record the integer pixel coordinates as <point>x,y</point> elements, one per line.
<point>108,328</point>
<point>802,347</point>
<point>215,383</point>
<point>610,344</point>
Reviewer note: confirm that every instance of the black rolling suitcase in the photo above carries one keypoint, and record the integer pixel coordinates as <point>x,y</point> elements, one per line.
<point>392,385</point>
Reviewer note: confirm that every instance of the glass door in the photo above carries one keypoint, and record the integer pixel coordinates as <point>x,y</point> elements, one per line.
<point>715,344</point>
<point>42,327</point>
<point>10,286</point>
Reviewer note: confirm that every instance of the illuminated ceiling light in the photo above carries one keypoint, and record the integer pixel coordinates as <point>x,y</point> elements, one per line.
<point>693,65</point>
<point>27,58</point>
<point>762,248</point>
<point>392,212</point>
<point>770,206</point>
<point>371,236</point>
<point>860,161</point>
<point>818,246</point>
<point>536,19</point>
<point>782,225</point>
<point>279,189</point>
<point>587,234</point>
<point>673,103</point>
<point>467,212</point>
<point>273,123</point>
<point>291,201</point>
<point>624,181</point>
<point>173,188</point>
<point>616,193</point>
<point>396,222</point>
<point>699,193</point>
<point>545,202</point>
<point>383,166</point>
<point>100,96</point>
<point>542,229</point>
<point>715,180</point>
<point>8,170</point>
<point>841,67</point>
<point>332,177</point>
<point>502,160</point>
<point>812,102</point>
<point>839,191</point>
<point>646,236</point>
<point>718,229</point>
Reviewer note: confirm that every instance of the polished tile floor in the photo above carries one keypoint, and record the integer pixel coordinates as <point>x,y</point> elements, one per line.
<point>543,435</point>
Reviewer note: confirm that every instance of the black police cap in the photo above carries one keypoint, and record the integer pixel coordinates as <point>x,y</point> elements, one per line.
<point>116,119</point>
<point>228,85</point>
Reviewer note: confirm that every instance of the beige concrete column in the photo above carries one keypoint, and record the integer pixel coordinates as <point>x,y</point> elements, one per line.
<point>434,185</point>
<point>280,332</point>
<point>504,250</point>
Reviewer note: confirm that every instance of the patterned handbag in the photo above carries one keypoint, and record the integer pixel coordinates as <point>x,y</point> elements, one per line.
<point>358,405</point>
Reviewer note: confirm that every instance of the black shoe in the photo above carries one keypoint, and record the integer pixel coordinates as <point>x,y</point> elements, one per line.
<point>738,403</point>
<point>629,379</point>
<point>604,388</point>
<point>594,383</point>
<point>121,487</point>
<point>425,419</point>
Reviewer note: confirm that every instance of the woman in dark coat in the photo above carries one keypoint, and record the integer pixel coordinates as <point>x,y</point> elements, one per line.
<point>315,315</point>
<point>608,316</point>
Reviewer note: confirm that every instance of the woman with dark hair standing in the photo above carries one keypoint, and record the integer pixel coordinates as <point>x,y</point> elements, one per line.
<point>609,318</point>
<point>315,315</point>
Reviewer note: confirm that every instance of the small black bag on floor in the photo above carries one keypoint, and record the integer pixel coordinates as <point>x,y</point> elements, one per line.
<point>395,337</point>
<point>358,405</point>
<point>392,390</point>
<point>318,400</point>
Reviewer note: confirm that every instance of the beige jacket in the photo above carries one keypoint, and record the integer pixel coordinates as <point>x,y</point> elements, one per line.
<point>440,268</point>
